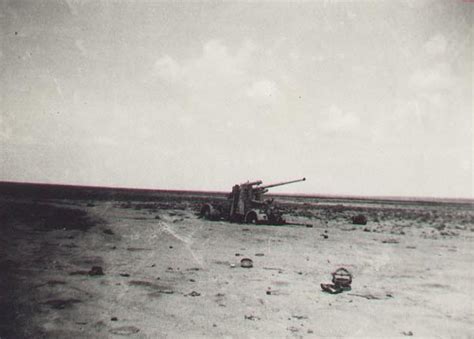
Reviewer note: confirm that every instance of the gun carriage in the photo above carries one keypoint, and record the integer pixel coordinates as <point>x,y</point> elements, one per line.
<point>247,204</point>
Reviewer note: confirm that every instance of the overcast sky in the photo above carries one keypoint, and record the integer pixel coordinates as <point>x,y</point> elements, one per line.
<point>360,97</point>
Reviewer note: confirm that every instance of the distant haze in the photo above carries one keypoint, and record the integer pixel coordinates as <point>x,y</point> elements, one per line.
<point>360,97</point>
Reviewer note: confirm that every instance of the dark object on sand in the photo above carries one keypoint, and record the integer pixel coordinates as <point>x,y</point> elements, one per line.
<point>246,204</point>
<point>60,304</point>
<point>194,294</point>
<point>96,270</point>
<point>359,219</point>
<point>341,281</point>
<point>124,330</point>
<point>108,231</point>
<point>246,263</point>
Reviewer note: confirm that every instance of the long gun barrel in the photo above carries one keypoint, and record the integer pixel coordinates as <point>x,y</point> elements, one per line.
<point>281,183</point>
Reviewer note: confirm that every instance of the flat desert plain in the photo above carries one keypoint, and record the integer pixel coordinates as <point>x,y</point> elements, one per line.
<point>146,266</point>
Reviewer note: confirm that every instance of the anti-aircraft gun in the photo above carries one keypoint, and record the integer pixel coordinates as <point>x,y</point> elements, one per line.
<point>246,204</point>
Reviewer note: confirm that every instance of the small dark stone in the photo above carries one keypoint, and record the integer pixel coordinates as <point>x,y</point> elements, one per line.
<point>124,274</point>
<point>359,219</point>
<point>108,231</point>
<point>96,270</point>
<point>113,319</point>
<point>171,246</point>
<point>269,292</point>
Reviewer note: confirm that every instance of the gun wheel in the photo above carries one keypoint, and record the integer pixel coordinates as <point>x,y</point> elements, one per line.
<point>251,218</point>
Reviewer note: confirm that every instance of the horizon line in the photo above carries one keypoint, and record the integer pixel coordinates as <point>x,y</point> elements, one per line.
<point>305,195</point>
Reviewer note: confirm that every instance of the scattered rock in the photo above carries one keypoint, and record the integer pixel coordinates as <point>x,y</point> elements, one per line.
<point>251,317</point>
<point>113,319</point>
<point>96,270</point>
<point>390,241</point>
<point>108,231</point>
<point>359,219</point>
<point>238,254</point>
<point>299,317</point>
<point>193,294</point>
<point>325,236</point>
<point>408,334</point>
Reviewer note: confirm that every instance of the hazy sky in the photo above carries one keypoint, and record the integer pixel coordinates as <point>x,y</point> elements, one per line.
<point>361,97</point>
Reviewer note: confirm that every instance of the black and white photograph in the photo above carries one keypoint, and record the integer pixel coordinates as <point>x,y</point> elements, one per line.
<point>236,169</point>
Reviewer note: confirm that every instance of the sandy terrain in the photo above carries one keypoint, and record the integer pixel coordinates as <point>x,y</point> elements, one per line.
<point>168,273</point>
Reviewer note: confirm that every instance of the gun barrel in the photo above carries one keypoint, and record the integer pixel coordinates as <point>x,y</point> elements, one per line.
<point>253,183</point>
<point>282,183</point>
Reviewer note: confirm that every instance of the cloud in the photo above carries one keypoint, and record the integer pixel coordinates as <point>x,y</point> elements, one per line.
<point>265,89</point>
<point>167,69</point>
<point>80,46</point>
<point>436,45</point>
<point>334,120</point>
<point>5,130</point>
<point>437,77</point>
<point>219,82</point>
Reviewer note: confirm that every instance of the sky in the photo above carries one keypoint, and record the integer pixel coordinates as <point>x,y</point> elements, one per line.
<point>360,97</point>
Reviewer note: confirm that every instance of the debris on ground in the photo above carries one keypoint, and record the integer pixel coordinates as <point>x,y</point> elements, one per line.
<point>341,281</point>
<point>408,334</point>
<point>246,263</point>
<point>124,330</point>
<point>390,241</point>
<point>60,304</point>
<point>259,254</point>
<point>96,270</point>
<point>370,296</point>
<point>193,294</point>
<point>251,317</point>
<point>359,219</point>
<point>108,231</point>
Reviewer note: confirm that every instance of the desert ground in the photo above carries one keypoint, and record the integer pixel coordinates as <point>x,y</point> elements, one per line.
<point>146,266</point>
